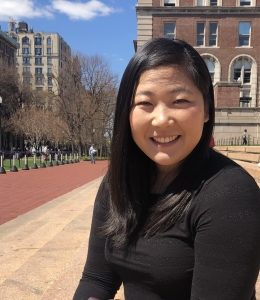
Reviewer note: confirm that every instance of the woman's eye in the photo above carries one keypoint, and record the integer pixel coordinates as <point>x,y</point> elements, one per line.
<point>143,103</point>
<point>180,101</point>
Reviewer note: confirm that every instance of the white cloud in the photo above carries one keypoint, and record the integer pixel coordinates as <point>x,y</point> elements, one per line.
<point>83,11</point>
<point>18,9</point>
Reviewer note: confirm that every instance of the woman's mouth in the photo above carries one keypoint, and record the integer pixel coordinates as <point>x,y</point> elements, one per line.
<point>165,140</point>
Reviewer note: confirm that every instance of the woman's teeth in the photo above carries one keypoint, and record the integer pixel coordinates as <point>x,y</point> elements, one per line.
<point>163,140</point>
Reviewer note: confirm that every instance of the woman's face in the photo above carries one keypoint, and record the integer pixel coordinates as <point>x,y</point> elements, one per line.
<point>167,117</point>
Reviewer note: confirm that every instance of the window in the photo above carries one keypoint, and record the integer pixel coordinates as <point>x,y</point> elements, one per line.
<point>39,80</point>
<point>49,70</point>
<point>213,27</point>
<point>245,99</point>
<point>38,70</point>
<point>244,33</point>
<point>38,60</point>
<point>39,88</point>
<point>48,50</point>
<point>27,80</point>
<point>169,30</point>
<point>38,41</point>
<point>48,41</point>
<point>169,2</point>
<point>25,40</point>
<point>26,60</point>
<point>38,51</point>
<point>242,71</point>
<point>200,34</point>
<point>49,60</point>
<point>211,68</point>
<point>208,2</point>
<point>245,2</point>
<point>25,51</point>
<point>49,88</point>
<point>49,80</point>
<point>26,69</point>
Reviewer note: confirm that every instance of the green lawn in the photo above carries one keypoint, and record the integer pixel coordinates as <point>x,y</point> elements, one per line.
<point>20,163</point>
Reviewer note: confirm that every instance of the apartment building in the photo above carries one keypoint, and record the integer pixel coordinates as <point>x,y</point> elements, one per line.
<point>40,57</point>
<point>8,47</point>
<point>226,33</point>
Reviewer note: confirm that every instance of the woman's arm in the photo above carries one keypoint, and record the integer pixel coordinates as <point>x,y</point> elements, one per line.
<point>227,241</point>
<point>99,279</point>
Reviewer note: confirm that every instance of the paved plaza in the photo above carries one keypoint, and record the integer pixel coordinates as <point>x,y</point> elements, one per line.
<point>45,218</point>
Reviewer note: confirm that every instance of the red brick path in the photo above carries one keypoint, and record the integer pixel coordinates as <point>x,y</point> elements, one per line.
<point>24,190</point>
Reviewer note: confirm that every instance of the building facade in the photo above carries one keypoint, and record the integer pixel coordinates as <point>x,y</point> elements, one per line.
<point>40,56</point>
<point>226,33</point>
<point>8,48</point>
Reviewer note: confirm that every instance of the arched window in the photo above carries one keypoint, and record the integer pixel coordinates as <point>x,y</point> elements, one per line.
<point>25,40</point>
<point>211,68</point>
<point>48,41</point>
<point>242,71</point>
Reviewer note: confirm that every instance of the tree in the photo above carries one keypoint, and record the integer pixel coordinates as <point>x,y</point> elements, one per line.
<point>9,90</point>
<point>85,98</point>
<point>33,123</point>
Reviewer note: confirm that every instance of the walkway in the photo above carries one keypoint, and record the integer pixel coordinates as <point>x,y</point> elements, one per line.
<point>46,216</point>
<point>25,190</point>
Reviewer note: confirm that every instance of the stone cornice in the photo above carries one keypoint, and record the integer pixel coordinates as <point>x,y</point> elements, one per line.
<point>209,10</point>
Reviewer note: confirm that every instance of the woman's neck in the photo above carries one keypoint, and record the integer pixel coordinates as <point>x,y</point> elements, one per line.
<point>165,175</point>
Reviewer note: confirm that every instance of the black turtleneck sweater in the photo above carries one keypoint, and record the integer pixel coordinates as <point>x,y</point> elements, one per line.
<point>213,254</point>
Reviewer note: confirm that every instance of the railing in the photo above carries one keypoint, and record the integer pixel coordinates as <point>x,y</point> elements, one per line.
<point>238,141</point>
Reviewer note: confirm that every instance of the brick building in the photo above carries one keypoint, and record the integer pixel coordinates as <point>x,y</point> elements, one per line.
<point>226,33</point>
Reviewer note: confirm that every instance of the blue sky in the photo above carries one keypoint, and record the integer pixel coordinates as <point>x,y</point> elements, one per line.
<point>103,27</point>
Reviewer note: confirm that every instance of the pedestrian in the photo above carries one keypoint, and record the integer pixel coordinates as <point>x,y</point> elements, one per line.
<point>92,152</point>
<point>244,137</point>
<point>173,219</point>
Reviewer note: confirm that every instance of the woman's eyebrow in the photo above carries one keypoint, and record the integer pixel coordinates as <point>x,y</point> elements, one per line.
<point>145,93</point>
<point>173,91</point>
<point>180,89</point>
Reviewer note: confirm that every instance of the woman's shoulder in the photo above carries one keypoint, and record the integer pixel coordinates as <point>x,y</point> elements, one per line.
<point>228,185</point>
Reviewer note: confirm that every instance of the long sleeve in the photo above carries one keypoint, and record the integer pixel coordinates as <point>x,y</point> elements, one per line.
<point>227,239</point>
<point>99,279</point>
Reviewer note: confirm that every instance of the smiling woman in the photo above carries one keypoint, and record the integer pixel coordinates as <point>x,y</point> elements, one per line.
<point>173,219</point>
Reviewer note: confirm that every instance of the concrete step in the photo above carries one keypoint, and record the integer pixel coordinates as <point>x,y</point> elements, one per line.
<point>38,247</point>
<point>252,168</point>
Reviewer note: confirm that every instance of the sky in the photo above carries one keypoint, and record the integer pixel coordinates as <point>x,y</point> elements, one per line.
<point>103,27</point>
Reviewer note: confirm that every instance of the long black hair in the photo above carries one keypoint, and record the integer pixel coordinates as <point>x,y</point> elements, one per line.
<point>131,172</point>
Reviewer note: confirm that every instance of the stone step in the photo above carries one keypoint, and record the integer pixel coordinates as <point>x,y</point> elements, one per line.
<point>251,168</point>
<point>37,247</point>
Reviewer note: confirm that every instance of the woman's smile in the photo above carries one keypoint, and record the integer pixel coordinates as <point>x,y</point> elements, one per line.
<point>167,116</point>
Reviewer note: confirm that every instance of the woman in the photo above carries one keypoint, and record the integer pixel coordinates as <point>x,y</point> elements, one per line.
<point>173,219</point>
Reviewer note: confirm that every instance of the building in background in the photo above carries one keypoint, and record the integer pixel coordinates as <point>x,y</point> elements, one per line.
<point>8,48</point>
<point>226,33</point>
<point>40,56</point>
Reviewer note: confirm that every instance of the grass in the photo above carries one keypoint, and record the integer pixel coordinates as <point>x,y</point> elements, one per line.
<point>8,163</point>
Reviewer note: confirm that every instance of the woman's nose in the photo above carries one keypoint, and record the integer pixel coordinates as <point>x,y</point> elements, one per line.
<point>162,117</point>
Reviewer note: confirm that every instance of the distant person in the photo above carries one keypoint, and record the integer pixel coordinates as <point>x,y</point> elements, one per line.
<point>173,219</point>
<point>244,137</point>
<point>92,153</point>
